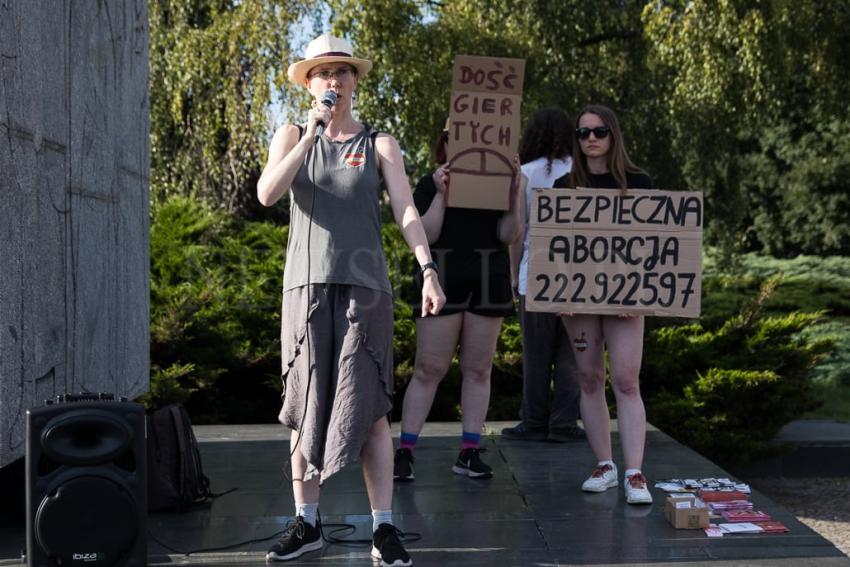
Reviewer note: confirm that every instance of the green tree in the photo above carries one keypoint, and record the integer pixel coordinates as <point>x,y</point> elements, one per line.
<point>710,93</point>
<point>215,304</point>
<point>736,69</point>
<point>796,186</point>
<point>576,52</point>
<point>743,99</point>
<point>213,65</point>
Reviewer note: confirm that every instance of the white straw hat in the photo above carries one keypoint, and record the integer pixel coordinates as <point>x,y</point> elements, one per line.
<point>326,49</point>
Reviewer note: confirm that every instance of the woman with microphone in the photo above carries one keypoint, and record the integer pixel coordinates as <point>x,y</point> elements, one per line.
<point>337,313</point>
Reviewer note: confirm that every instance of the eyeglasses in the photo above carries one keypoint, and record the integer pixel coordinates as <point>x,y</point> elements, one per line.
<point>601,132</point>
<point>339,74</point>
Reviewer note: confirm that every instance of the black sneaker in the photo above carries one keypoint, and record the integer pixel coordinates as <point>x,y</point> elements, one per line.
<point>524,432</point>
<point>298,538</point>
<point>387,547</point>
<point>469,463</point>
<point>403,465</point>
<point>568,434</point>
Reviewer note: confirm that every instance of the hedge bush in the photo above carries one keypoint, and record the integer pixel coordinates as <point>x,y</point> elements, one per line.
<point>727,387</point>
<point>723,384</point>
<point>215,304</point>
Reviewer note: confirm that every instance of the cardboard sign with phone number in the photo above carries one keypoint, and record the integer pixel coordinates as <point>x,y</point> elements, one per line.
<point>603,252</point>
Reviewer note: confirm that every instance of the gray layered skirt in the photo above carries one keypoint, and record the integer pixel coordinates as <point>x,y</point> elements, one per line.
<point>337,370</point>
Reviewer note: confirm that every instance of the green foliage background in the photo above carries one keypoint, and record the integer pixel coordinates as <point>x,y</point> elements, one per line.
<point>215,304</point>
<point>742,99</point>
<point>724,384</point>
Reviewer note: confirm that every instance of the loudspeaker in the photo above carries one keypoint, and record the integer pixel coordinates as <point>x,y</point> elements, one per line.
<point>86,483</point>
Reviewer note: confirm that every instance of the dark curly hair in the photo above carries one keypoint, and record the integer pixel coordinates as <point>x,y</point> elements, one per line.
<point>439,150</point>
<point>548,134</point>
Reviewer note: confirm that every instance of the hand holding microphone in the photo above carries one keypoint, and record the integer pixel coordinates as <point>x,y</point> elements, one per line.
<point>322,114</point>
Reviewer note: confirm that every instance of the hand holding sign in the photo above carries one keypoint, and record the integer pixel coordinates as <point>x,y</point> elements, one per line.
<point>441,179</point>
<point>517,181</point>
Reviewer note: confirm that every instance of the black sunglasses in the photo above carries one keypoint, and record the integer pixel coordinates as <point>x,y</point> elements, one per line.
<point>600,132</point>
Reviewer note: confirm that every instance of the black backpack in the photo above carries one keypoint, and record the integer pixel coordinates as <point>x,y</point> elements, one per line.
<point>176,478</point>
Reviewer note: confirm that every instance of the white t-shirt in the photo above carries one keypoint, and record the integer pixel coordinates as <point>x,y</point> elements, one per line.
<point>537,176</point>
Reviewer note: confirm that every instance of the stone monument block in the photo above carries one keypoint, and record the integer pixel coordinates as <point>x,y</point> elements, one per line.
<point>74,204</point>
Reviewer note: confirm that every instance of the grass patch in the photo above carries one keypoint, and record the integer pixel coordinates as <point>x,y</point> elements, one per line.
<point>831,377</point>
<point>809,283</point>
<point>836,402</point>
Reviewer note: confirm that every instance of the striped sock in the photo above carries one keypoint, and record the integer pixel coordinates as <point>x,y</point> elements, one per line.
<point>470,440</point>
<point>407,440</point>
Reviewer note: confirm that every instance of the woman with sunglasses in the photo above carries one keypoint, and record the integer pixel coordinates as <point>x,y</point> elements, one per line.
<point>470,247</point>
<point>603,163</point>
<point>337,312</point>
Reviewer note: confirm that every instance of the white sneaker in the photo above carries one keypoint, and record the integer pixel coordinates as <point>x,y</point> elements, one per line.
<point>636,490</point>
<point>601,479</point>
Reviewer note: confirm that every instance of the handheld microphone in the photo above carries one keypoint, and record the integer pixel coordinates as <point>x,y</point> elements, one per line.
<point>328,99</point>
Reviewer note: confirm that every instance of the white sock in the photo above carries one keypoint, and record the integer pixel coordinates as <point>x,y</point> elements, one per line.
<point>630,472</point>
<point>608,462</point>
<point>381,517</point>
<point>308,511</point>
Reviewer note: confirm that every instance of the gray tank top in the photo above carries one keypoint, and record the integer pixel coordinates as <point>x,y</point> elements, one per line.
<point>345,238</point>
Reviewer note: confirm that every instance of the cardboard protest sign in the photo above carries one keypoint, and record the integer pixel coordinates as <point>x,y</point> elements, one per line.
<point>602,252</point>
<point>484,132</point>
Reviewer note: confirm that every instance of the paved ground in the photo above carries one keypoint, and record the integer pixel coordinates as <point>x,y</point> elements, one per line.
<point>812,480</point>
<point>531,513</point>
<point>814,448</point>
<point>820,503</point>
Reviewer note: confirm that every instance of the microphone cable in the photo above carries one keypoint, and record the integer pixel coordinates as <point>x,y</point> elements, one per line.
<point>331,538</point>
<point>328,99</point>
<point>307,310</point>
<point>306,396</point>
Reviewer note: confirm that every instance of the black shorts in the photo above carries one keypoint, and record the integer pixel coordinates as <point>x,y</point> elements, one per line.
<point>470,292</point>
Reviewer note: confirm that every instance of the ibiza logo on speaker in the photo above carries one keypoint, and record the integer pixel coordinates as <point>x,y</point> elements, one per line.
<point>88,557</point>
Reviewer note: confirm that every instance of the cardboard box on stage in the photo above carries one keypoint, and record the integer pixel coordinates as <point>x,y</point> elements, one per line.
<point>484,131</point>
<point>686,511</point>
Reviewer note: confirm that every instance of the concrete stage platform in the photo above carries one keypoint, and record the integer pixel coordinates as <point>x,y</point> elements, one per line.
<point>531,513</point>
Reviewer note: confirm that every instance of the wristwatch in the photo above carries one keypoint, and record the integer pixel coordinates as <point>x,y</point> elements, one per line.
<point>429,266</point>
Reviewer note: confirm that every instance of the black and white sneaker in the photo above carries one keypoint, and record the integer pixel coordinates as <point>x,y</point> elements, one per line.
<point>298,538</point>
<point>387,547</point>
<point>403,465</point>
<point>469,464</point>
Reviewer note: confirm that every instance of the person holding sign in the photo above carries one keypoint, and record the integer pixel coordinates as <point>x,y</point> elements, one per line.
<point>337,313</point>
<point>547,413</point>
<point>603,163</point>
<point>470,246</point>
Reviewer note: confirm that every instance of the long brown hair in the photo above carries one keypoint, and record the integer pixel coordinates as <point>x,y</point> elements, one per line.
<point>546,135</point>
<point>439,150</point>
<point>617,158</point>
